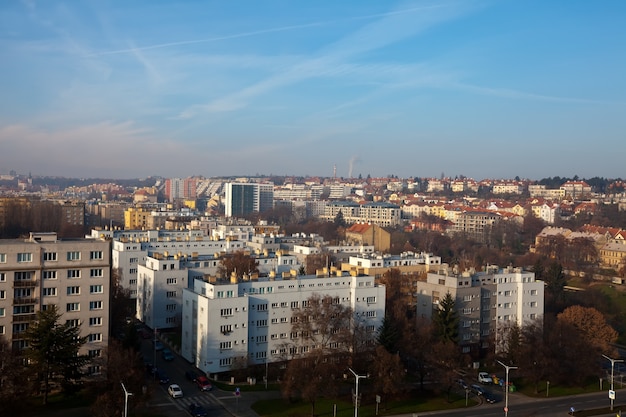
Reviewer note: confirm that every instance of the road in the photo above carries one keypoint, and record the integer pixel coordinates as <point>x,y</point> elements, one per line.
<point>212,401</point>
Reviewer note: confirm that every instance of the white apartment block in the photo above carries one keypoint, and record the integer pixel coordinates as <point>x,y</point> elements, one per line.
<point>163,277</point>
<point>485,301</point>
<point>73,274</point>
<point>130,248</point>
<point>507,188</point>
<point>379,213</point>
<point>252,319</point>
<point>538,190</point>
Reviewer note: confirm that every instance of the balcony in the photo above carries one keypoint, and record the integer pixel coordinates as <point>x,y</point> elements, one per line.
<point>25,300</point>
<point>25,283</point>
<point>24,318</point>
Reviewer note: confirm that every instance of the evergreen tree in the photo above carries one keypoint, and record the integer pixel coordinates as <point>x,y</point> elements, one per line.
<point>388,335</point>
<point>53,351</point>
<point>446,320</point>
<point>339,220</point>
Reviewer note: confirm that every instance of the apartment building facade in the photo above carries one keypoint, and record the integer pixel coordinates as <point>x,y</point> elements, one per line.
<point>72,274</point>
<point>223,322</point>
<point>486,302</point>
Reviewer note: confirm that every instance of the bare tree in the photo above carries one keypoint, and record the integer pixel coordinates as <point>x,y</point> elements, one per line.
<point>238,262</point>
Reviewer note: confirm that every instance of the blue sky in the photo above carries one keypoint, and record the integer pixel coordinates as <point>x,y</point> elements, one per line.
<point>486,89</point>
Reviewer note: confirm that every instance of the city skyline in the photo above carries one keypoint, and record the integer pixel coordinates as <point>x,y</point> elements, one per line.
<point>485,89</point>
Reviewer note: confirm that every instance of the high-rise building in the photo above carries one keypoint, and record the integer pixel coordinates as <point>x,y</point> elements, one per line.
<point>178,188</point>
<point>245,198</point>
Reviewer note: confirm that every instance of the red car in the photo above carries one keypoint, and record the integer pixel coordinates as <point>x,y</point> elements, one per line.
<point>203,383</point>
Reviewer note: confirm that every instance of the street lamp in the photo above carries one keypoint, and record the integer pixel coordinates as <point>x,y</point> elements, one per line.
<point>612,392</point>
<point>506,387</point>
<point>356,393</point>
<point>126,395</point>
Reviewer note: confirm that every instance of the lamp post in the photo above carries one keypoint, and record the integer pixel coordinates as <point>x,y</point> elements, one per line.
<point>126,395</point>
<point>356,393</point>
<point>612,393</point>
<point>506,388</point>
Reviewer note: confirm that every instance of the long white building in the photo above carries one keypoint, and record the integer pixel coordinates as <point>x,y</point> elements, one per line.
<point>252,319</point>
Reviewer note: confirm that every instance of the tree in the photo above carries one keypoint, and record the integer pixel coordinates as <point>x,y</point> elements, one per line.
<point>317,261</point>
<point>593,327</point>
<point>555,285</point>
<point>13,375</point>
<point>388,335</point>
<point>238,262</point>
<point>122,365</point>
<point>322,349</point>
<point>53,350</point>
<point>387,373</point>
<point>446,320</point>
<point>339,219</point>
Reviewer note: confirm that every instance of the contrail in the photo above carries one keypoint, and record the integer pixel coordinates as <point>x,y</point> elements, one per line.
<point>259,32</point>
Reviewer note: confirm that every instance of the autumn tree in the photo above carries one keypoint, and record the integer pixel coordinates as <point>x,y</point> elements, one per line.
<point>13,377</point>
<point>528,351</point>
<point>321,351</point>
<point>53,350</point>
<point>317,261</point>
<point>387,374</point>
<point>239,262</point>
<point>592,326</point>
<point>446,320</point>
<point>122,365</point>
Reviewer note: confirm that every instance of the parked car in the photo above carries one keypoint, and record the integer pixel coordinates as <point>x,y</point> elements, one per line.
<point>157,344</point>
<point>484,378</point>
<point>191,375</point>
<point>490,398</point>
<point>175,391</point>
<point>462,383</point>
<point>203,383</point>
<point>167,355</point>
<point>197,411</point>
<point>162,377</point>
<point>478,390</point>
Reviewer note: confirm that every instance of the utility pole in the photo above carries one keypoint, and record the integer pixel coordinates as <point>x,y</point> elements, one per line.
<point>612,391</point>
<point>356,393</point>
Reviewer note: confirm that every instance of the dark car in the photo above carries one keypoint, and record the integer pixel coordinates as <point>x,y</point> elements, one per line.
<point>203,383</point>
<point>478,390</point>
<point>197,411</point>
<point>162,377</point>
<point>191,375</point>
<point>167,355</point>
<point>490,398</point>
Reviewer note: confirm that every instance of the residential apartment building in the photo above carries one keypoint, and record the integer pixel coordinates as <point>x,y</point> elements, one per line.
<point>227,321</point>
<point>73,274</point>
<point>379,213</point>
<point>245,198</point>
<point>486,302</point>
<point>407,263</point>
<point>476,224</point>
<point>180,188</point>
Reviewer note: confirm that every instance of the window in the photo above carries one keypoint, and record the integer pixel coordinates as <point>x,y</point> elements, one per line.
<point>262,307</point>
<point>2,312</point>
<point>96,273</point>
<point>261,323</point>
<point>95,321</point>
<point>226,312</point>
<point>72,323</point>
<point>171,281</point>
<point>93,370</point>
<point>3,258</point>
<point>170,307</point>
<point>467,311</point>
<point>95,255</point>
<point>226,328</point>
<point>132,270</point>
<point>73,290</point>
<point>73,273</point>
<point>283,319</point>
<point>50,256</point>
<point>274,320</point>
<point>49,274</point>
<point>133,260</point>
<point>96,289</point>
<point>3,294</point>
<point>226,345</point>
<point>170,294</point>
<point>170,320</point>
<point>73,256</point>
<point>507,293</point>
<point>24,257</point>
<point>371,314</point>
<point>226,361</point>
<point>1,329</point>
<point>370,300</point>
<point>72,307</point>
<point>49,291</point>
<point>3,277</point>
<point>94,337</point>
<point>95,305</point>
<point>533,292</point>
<point>23,275</point>
<point>24,309</point>
<point>261,339</point>
<point>294,304</point>
<point>95,353</point>
<point>533,304</point>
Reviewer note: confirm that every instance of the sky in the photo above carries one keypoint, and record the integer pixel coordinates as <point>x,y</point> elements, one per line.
<point>485,88</point>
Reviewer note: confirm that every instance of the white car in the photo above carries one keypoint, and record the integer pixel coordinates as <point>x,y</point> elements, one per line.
<point>484,378</point>
<point>174,391</point>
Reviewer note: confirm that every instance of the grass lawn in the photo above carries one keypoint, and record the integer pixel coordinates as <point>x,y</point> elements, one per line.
<point>325,407</point>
